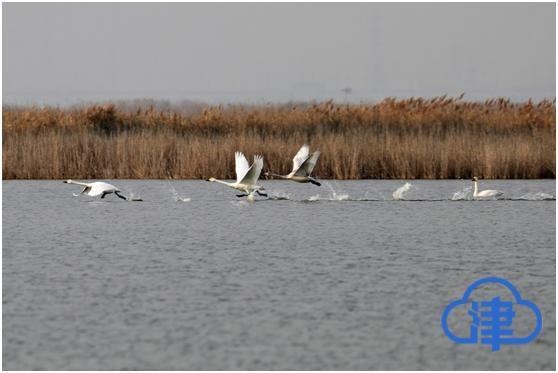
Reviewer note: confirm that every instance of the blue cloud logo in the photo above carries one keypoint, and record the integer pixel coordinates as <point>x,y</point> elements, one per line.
<point>491,321</point>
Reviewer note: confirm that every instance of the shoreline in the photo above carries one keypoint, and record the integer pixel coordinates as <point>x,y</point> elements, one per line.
<point>438,138</point>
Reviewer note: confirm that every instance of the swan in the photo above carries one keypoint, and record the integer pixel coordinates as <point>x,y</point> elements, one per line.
<point>303,164</point>
<point>246,176</point>
<point>98,188</point>
<point>484,193</point>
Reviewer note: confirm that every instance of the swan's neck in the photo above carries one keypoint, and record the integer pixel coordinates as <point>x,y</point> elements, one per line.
<point>475,189</point>
<point>76,182</point>
<point>221,182</point>
<point>276,175</point>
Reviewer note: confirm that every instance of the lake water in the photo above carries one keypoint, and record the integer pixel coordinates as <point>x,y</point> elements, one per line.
<point>332,277</point>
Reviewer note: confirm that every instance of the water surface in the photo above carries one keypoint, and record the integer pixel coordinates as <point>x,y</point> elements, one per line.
<point>332,277</point>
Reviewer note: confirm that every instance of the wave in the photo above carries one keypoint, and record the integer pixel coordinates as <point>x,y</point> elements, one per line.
<point>538,196</point>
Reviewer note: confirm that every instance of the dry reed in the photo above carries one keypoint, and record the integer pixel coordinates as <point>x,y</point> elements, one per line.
<point>435,138</point>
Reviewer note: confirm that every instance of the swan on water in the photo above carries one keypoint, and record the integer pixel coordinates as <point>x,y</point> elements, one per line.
<point>484,193</point>
<point>303,164</point>
<point>246,176</point>
<point>98,188</point>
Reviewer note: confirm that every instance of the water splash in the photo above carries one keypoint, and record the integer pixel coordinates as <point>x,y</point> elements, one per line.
<point>314,198</point>
<point>400,193</point>
<point>538,196</point>
<point>175,194</point>
<point>464,194</point>
<point>133,198</point>
<point>334,195</point>
<point>280,196</point>
<point>339,197</point>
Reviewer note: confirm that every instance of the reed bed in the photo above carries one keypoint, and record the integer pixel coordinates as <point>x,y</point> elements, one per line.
<point>438,138</point>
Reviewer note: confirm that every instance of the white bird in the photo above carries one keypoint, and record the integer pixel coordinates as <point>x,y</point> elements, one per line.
<point>484,193</point>
<point>246,176</point>
<point>98,188</point>
<point>303,164</point>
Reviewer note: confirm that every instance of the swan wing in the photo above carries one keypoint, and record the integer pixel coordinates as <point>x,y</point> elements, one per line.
<point>99,187</point>
<point>254,171</point>
<point>241,166</point>
<point>308,165</point>
<point>95,190</point>
<point>300,157</point>
<point>490,193</point>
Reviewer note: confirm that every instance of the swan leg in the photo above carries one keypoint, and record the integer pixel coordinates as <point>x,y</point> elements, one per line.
<point>119,196</point>
<point>241,195</point>
<point>261,194</point>
<point>315,182</point>
<point>103,195</point>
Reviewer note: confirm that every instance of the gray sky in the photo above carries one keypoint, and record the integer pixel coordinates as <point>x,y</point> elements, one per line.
<point>69,53</point>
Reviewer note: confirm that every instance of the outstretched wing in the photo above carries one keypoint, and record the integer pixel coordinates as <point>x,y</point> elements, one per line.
<point>300,157</point>
<point>308,165</point>
<point>254,172</point>
<point>241,166</point>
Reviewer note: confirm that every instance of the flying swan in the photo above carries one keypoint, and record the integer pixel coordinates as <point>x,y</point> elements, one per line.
<point>303,164</point>
<point>98,188</point>
<point>246,176</point>
<point>484,193</point>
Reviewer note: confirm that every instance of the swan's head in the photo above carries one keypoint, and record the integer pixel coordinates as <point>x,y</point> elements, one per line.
<point>69,181</point>
<point>211,179</point>
<point>475,178</point>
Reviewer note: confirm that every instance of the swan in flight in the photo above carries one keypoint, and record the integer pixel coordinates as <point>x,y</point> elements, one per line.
<point>303,164</point>
<point>98,188</point>
<point>484,193</point>
<point>246,176</point>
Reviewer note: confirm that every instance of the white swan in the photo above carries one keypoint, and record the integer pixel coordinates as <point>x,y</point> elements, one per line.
<point>303,164</point>
<point>246,176</point>
<point>98,188</point>
<point>484,193</point>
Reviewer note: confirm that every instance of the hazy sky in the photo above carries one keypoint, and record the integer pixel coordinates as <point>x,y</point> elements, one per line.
<point>68,53</point>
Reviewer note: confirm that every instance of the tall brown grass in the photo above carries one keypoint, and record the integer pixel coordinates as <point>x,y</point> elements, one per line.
<point>413,138</point>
